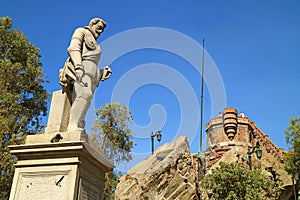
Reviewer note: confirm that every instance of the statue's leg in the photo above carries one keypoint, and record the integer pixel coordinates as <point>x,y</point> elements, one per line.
<point>92,88</point>
<point>82,95</point>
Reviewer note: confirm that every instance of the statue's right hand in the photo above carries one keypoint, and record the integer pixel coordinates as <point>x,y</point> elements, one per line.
<point>79,72</point>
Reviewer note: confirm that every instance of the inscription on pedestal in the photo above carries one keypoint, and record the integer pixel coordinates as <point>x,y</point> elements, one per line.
<point>45,185</point>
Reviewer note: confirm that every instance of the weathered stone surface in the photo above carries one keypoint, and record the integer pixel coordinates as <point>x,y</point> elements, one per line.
<point>162,157</point>
<point>167,174</point>
<point>59,113</point>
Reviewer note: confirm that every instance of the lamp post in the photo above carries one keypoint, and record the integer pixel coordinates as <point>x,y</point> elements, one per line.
<point>158,135</point>
<point>257,151</point>
<point>295,178</point>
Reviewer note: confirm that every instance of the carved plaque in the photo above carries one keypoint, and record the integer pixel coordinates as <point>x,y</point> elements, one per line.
<point>43,185</point>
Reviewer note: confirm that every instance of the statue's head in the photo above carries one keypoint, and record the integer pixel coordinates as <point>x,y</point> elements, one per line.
<point>97,26</point>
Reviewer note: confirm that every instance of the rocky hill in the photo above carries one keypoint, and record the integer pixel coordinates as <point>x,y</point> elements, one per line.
<point>167,174</point>
<point>171,172</point>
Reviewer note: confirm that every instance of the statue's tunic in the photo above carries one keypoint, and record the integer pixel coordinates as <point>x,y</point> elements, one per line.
<point>85,51</point>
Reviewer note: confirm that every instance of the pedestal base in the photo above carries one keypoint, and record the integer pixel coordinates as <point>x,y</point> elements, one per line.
<point>62,170</point>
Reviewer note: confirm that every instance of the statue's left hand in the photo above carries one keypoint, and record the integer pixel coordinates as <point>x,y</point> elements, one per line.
<point>106,73</point>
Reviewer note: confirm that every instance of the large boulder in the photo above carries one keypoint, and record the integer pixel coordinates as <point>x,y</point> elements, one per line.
<point>167,174</point>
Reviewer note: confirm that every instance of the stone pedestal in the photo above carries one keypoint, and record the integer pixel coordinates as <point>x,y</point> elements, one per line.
<point>63,170</point>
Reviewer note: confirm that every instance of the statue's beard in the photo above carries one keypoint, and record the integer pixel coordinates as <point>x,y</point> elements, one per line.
<point>96,33</point>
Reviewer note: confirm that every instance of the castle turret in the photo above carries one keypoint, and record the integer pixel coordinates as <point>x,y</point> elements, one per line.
<point>230,122</point>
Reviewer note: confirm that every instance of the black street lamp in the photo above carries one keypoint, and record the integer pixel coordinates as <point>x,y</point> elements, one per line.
<point>158,135</point>
<point>295,179</point>
<point>257,151</point>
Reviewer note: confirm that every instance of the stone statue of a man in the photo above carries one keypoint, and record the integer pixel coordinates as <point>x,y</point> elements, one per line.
<point>81,74</point>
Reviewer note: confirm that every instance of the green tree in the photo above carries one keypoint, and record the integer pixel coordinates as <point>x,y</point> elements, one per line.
<point>292,159</point>
<point>234,182</point>
<point>23,99</point>
<point>113,132</point>
<point>292,136</point>
<point>114,138</point>
<point>111,182</point>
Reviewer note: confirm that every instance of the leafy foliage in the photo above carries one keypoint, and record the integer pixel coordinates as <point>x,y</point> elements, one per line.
<point>23,99</point>
<point>235,182</point>
<point>113,137</point>
<point>112,179</point>
<point>292,162</point>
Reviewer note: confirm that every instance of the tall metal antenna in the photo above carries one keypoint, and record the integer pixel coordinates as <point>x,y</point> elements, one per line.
<point>201,102</point>
<point>201,164</point>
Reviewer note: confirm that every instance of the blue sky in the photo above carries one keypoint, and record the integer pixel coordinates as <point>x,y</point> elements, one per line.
<point>154,49</point>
